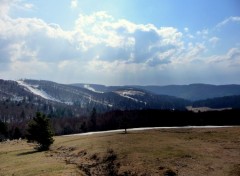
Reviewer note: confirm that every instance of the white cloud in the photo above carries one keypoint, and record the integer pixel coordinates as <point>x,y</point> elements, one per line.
<point>192,52</point>
<point>112,39</point>
<point>20,51</point>
<point>214,40</point>
<point>5,7</point>
<point>203,33</point>
<point>101,49</point>
<point>231,57</point>
<point>186,29</point>
<point>228,20</point>
<point>28,6</point>
<point>74,4</point>
<point>11,5</point>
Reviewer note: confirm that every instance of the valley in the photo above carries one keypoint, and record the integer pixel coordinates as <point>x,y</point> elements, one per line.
<point>119,88</point>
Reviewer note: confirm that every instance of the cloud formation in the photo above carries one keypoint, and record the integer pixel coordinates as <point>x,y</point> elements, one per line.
<point>214,40</point>
<point>228,20</point>
<point>106,50</point>
<point>74,4</point>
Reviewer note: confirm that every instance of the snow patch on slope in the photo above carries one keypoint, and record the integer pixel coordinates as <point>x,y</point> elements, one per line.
<point>87,86</point>
<point>34,89</point>
<point>129,93</point>
<point>105,103</point>
<point>17,98</point>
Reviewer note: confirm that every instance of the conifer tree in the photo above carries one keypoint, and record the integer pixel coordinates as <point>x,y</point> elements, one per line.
<point>40,131</point>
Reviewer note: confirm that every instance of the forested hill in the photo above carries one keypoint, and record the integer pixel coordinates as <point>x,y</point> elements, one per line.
<point>220,102</point>
<point>191,92</point>
<point>23,98</point>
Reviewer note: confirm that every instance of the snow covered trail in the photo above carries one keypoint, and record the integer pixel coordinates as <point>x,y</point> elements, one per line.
<point>34,89</point>
<point>87,86</point>
<point>147,128</point>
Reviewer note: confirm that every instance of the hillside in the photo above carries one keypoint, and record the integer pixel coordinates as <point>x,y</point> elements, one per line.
<point>86,97</point>
<point>220,102</point>
<point>25,97</point>
<point>196,91</point>
<point>155,152</point>
<point>191,92</point>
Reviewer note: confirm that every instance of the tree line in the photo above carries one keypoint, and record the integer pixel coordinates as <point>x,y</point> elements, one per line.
<point>118,119</point>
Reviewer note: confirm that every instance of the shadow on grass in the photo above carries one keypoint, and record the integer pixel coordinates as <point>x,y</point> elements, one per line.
<point>28,153</point>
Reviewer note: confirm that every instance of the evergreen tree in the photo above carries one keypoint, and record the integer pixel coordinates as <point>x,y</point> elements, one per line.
<point>3,131</point>
<point>17,133</point>
<point>83,127</point>
<point>40,131</point>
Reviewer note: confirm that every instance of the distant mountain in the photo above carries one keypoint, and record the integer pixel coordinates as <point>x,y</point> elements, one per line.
<point>102,88</point>
<point>86,96</point>
<point>195,91</point>
<point>191,92</point>
<point>25,97</point>
<point>220,102</point>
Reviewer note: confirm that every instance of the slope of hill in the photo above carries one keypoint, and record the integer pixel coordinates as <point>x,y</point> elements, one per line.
<point>196,91</point>
<point>156,152</point>
<point>71,101</point>
<point>23,98</point>
<point>220,102</point>
<point>191,92</point>
<point>125,98</point>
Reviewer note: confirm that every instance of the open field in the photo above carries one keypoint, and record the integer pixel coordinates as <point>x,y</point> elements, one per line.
<point>154,152</point>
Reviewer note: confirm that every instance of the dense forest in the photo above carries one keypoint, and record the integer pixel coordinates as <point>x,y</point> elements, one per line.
<point>124,119</point>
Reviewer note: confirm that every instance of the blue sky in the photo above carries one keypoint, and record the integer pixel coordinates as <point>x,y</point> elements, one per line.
<point>113,42</point>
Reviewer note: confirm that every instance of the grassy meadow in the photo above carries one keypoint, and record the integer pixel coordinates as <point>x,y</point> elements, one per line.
<point>153,152</point>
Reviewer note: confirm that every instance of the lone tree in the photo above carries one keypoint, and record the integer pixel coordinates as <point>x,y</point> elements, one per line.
<point>40,131</point>
<point>124,123</point>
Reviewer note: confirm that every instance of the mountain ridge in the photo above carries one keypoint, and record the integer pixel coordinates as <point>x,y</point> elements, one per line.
<point>192,92</point>
<point>23,98</point>
<point>41,92</point>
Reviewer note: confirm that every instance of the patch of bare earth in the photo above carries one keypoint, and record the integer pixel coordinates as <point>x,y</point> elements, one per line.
<point>89,164</point>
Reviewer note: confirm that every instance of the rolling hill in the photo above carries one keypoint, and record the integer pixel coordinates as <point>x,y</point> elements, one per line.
<point>23,98</point>
<point>192,92</point>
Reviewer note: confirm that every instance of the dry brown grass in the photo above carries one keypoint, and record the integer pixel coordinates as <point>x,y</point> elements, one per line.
<point>20,158</point>
<point>155,152</point>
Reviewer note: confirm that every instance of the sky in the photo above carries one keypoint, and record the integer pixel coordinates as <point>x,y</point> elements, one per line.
<point>121,42</point>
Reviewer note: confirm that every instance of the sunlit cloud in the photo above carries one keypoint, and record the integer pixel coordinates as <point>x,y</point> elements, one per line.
<point>74,4</point>
<point>102,49</point>
<point>231,58</point>
<point>28,6</point>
